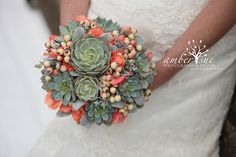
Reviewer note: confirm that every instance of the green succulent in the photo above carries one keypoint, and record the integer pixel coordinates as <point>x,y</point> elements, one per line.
<point>99,111</point>
<point>87,88</point>
<point>142,65</point>
<point>91,56</point>
<point>62,88</point>
<point>107,25</point>
<point>132,90</point>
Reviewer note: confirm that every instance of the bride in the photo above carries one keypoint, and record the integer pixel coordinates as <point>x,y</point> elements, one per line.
<point>186,111</point>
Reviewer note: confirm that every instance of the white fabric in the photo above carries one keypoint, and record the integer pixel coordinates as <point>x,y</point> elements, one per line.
<point>183,118</point>
<point>23,115</point>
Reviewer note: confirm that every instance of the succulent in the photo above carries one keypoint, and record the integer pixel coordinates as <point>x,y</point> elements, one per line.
<point>107,25</point>
<point>91,56</point>
<point>142,65</point>
<point>132,91</point>
<point>99,111</point>
<point>62,88</point>
<point>69,29</point>
<point>86,88</point>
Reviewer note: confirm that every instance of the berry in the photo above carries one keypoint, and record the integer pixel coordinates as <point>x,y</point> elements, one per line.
<point>117,97</point>
<point>48,78</point>
<point>115,33</point>
<point>131,36</point>
<point>67,38</point>
<point>46,64</point>
<point>63,68</point>
<point>133,30</point>
<point>113,65</point>
<point>113,90</point>
<point>67,59</point>
<point>59,58</point>
<point>60,51</point>
<point>130,107</point>
<point>112,99</point>
<point>119,69</point>
<point>127,41</point>
<point>103,95</point>
<point>139,47</point>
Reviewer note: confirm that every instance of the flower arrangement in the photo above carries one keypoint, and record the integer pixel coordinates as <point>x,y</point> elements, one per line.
<point>96,71</point>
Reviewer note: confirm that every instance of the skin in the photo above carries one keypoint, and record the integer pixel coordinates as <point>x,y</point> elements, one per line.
<point>214,21</point>
<point>69,9</point>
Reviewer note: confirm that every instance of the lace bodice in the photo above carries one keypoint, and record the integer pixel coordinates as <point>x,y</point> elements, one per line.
<point>159,21</point>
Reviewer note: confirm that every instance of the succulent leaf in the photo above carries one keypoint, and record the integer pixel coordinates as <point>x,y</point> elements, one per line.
<point>119,104</point>
<point>79,32</point>
<point>72,25</point>
<point>77,104</point>
<point>62,114</point>
<point>64,30</point>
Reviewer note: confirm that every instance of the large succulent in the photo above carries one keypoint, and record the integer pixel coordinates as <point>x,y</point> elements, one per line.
<point>91,56</point>
<point>62,88</point>
<point>132,90</point>
<point>86,88</point>
<point>99,111</point>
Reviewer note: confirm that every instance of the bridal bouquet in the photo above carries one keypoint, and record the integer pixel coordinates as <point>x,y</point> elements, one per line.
<point>97,71</point>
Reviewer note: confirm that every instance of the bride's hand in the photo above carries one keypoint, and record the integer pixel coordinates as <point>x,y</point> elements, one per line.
<point>164,74</point>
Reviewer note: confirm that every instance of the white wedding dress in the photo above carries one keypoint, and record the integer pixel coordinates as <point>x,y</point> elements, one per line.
<point>183,118</point>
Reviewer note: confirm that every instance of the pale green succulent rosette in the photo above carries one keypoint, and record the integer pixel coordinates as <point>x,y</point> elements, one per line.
<point>87,88</point>
<point>91,56</point>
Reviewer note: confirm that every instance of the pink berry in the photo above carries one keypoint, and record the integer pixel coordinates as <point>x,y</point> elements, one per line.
<point>50,70</point>
<point>133,43</point>
<point>55,71</point>
<point>121,38</point>
<point>108,77</point>
<point>127,29</point>
<point>63,68</point>
<point>103,95</point>
<point>149,55</point>
<point>131,55</point>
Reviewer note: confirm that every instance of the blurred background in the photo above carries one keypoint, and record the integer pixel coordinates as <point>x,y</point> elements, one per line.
<point>24,116</point>
<point>24,27</point>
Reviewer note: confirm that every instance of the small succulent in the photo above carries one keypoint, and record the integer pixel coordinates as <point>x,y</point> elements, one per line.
<point>142,65</point>
<point>107,25</point>
<point>91,56</point>
<point>99,111</point>
<point>86,88</point>
<point>62,88</point>
<point>132,91</point>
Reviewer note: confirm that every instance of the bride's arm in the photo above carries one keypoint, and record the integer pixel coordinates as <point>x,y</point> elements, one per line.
<point>69,9</point>
<point>216,19</point>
